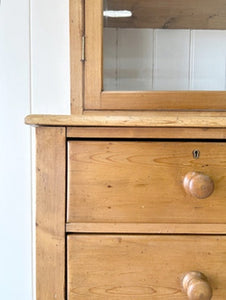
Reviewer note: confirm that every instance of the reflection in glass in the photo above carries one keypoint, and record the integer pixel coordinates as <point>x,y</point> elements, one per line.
<point>164,45</point>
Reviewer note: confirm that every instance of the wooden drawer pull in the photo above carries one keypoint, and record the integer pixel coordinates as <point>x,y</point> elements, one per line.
<point>196,286</point>
<point>198,185</point>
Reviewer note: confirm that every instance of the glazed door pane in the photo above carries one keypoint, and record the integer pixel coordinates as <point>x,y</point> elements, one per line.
<point>164,45</point>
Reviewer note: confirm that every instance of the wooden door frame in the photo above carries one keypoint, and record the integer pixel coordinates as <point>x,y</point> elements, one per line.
<point>87,77</point>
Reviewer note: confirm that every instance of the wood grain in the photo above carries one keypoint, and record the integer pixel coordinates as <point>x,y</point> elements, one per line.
<point>142,182</point>
<point>76,33</point>
<point>169,14</point>
<point>146,133</point>
<point>50,213</point>
<point>142,267</point>
<point>94,61</point>
<point>164,100</point>
<point>146,228</point>
<point>145,119</point>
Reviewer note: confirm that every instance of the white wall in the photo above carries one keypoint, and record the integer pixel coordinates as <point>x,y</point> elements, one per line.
<point>34,78</point>
<point>15,201</point>
<point>164,59</point>
<point>50,56</point>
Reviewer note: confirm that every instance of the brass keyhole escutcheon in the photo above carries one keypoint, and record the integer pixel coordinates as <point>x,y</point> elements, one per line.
<point>196,154</point>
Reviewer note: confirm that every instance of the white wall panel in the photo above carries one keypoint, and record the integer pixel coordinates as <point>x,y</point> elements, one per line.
<point>146,59</point>
<point>110,59</point>
<point>208,60</point>
<point>50,57</point>
<point>135,59</point>
<point>171,62</point>
<point>15,171</point>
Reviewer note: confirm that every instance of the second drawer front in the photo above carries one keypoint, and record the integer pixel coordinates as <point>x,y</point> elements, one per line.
<point>142,267</point>
<point>142,182</point>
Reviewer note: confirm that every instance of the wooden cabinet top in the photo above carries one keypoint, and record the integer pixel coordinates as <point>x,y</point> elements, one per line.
<point>143,119</point>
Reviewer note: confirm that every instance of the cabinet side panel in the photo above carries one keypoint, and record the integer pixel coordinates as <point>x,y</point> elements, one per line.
<point>50,213</point>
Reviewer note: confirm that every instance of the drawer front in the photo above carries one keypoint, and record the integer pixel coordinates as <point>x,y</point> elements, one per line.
<point>142,267</point>
<point>127,181</point>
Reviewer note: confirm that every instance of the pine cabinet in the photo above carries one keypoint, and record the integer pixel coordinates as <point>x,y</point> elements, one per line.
<point>121,213</point>
<point>130,188</point>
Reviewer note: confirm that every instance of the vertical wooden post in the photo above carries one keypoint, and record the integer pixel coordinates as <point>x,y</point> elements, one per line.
<point>50,213</point>
<point>93,67</point>
<point>76,34</point>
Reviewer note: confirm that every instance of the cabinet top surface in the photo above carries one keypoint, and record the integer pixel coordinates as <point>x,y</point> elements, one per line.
<point>141,119</point>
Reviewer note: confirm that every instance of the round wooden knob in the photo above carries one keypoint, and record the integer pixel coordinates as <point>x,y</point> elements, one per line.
<point>196,286</point>
<point>198,185</point>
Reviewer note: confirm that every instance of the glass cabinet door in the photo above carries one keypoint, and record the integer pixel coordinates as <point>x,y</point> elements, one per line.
<point>155,54</point>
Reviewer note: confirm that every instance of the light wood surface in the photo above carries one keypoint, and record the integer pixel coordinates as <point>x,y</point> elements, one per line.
<point>146,228</point>
<point>193,14</point>
<point>152,119</point>
<point>76,33</point>
<point>164,100</point>
<point>94,41</point>
<point>142,182</point>
<point>142,266</point>
<point>145,133</point>
<point>50,213</point>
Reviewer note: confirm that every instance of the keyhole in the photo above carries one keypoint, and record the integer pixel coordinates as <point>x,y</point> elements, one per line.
<point>196,153</point>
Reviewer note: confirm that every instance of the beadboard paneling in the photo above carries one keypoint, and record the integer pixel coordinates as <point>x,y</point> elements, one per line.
<point>164,59</point>
<point>208,55</point>
<point>171,64</point>
<point>110,59</point>
<point>135,59</point>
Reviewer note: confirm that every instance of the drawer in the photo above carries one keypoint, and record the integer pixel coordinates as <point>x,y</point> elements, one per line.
<point>142,266</point>
<point>142,181</point>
